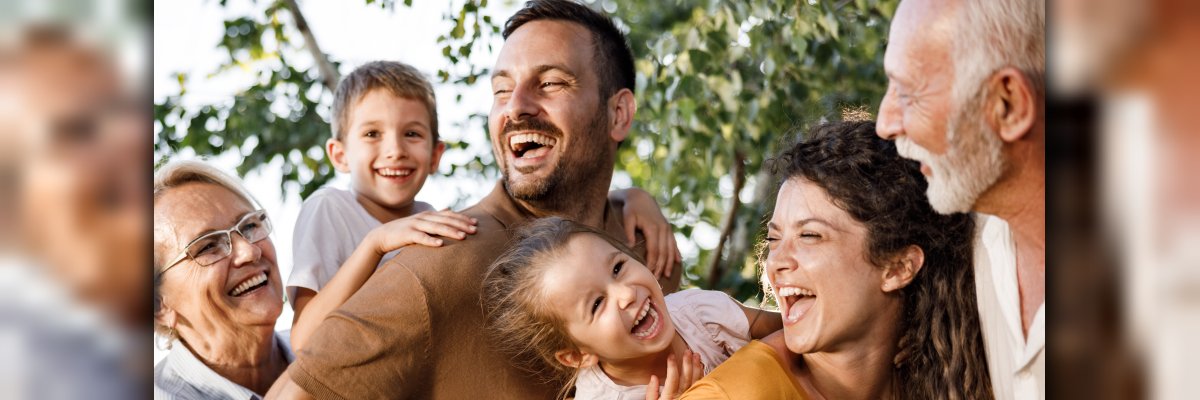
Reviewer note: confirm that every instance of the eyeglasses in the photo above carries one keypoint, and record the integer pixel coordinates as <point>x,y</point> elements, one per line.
<point>215,246</point>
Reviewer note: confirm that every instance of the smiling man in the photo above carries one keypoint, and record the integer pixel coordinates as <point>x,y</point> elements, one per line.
<point>966,98</point>
<point>563,100</point>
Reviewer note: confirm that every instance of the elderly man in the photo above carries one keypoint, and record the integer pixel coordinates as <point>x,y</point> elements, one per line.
<point>966,98</point>
<point>563,100</point>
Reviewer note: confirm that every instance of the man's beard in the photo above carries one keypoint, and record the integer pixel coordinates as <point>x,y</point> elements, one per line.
<point>972,164</point>
<point>572,171</point>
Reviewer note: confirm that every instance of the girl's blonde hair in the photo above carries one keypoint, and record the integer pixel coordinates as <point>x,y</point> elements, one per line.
<point>519,322</point>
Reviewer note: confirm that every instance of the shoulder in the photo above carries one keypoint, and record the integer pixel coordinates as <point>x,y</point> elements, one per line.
<point>326,202</point>
<point>754,372</point>
<point>707,307</point>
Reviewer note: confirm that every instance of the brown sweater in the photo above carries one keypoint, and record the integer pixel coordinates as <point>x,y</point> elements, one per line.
<point>416,328</point>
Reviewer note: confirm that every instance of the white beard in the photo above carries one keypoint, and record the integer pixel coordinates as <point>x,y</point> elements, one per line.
<point>972,164</point>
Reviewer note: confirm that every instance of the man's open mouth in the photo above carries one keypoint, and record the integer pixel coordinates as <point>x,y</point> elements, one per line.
<point>531,145</point>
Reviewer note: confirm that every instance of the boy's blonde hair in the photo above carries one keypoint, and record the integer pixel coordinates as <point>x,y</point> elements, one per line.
<point>518,322</point>
<point>401,79</point>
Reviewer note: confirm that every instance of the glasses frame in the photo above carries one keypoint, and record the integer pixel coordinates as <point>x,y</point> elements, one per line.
<point>228,236</point>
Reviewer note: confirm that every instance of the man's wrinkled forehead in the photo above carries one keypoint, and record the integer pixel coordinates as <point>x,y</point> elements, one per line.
<point>921,34</point>
<point>542,43</point>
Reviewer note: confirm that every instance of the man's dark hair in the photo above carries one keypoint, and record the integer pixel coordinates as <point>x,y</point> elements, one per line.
<point>611,55</point>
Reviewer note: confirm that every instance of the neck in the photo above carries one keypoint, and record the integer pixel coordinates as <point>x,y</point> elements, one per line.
<point>385,214</point>
<point>584,205</point>
<point>858,370</point>
<point>637,371</point>
<point>250,359</point>
<point>1020,200</point>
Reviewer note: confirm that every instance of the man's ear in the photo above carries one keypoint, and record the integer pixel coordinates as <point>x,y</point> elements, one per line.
<point>1012,106</point>
<point>903,269</point>
<point>576,358</point>
<point>336,151</point>
<point>436,157</point>
<point>621,107</point>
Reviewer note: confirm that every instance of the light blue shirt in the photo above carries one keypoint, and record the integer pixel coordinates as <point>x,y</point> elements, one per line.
<point>183,376</point>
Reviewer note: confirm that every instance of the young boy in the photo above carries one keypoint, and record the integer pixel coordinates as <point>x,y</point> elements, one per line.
<point>385,135</point>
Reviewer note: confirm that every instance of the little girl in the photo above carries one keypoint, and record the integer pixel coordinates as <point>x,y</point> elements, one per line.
<point>576,306</point>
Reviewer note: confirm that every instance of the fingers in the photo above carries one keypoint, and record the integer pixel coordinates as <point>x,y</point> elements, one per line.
<point>459,221</point>
<point>444,223</point>
<point>672,379</point>
<point>630,227</point>
<point>652,388</point>
<point>665,250</point>
<point>686,379</point>
<point>673,250</point>
<point>697,372</point>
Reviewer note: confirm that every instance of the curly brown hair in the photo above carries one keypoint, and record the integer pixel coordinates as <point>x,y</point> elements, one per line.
<point>941,353</point>
<point>518,321</point>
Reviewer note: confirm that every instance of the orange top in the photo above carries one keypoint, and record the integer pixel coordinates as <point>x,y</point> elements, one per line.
<point>754,372</point>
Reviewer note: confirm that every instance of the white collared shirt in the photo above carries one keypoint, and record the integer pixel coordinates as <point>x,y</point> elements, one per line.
<point>181,375</point>
<point>1017,363</point>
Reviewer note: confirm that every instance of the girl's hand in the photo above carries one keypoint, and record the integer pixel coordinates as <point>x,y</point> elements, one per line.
<point>642,213</point>
<point>421,228</point>
<point>676,382</point>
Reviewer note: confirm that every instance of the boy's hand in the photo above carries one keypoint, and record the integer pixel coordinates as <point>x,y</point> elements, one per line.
<point>421,228</point>
<point>676,382</point>
<point>642,213</point>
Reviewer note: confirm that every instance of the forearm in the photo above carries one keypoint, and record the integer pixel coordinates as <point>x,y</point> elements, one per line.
<point>762,322</point>
<point>349,278</point>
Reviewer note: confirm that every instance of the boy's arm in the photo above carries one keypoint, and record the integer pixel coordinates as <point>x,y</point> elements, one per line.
<point>642,213</point>
<point>414,229</point>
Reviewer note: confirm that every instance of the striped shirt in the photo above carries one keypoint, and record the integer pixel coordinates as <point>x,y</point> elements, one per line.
<point>183,376</point>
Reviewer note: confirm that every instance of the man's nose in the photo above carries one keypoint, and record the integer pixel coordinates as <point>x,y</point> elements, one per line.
<point>522,104</point>
<point>890,123</point>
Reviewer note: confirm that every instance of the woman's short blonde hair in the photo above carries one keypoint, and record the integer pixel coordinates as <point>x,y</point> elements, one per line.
<point>179,173</point>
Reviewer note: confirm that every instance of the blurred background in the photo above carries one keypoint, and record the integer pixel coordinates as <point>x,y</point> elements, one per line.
<point>721,85</point>
<point>74,221</point>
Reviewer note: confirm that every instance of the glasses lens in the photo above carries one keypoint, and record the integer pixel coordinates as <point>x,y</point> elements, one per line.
<point>210,248</point>
<point>255,227</point>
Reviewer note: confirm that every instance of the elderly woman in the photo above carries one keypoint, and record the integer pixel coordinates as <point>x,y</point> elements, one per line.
<point>875,288</point>
<point>217,290</point>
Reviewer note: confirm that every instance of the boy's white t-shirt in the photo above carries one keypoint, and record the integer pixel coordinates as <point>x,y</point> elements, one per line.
<point>710,322</point>
<point>331,225</point>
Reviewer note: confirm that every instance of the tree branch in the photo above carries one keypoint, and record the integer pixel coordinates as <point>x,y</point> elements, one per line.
<point>715,271</point>
<point>329,74</point>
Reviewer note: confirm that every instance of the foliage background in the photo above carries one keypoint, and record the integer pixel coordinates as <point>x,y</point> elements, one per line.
<point>721,86</point>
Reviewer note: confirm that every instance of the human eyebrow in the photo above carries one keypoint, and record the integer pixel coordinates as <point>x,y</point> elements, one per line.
<point>814,220</point>
<point>542,69</point>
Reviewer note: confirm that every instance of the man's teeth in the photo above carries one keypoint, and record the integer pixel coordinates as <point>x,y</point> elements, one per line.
<point>515,141</point>
<point>248,283</point>
<point>794,291</point>
<point>394,172</point>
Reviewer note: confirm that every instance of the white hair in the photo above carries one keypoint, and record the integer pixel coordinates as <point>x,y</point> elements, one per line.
<point>179,173</point>
<point>994,34</point>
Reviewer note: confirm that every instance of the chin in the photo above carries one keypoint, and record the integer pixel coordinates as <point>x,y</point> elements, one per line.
<point>797,342</point>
